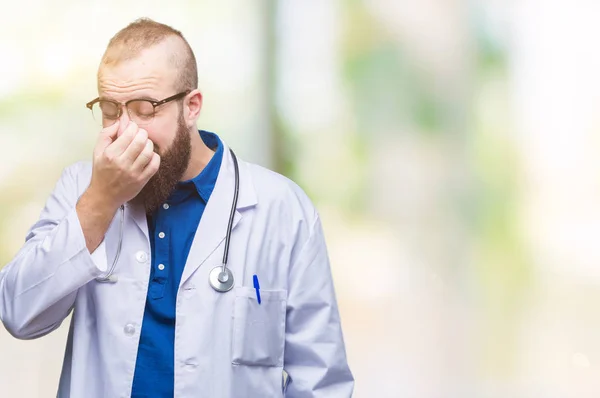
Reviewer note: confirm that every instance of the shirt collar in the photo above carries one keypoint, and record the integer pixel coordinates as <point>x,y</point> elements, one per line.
<point>203,183</point>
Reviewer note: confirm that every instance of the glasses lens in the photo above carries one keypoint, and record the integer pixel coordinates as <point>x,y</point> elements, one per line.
<point>105,112</point>
<point>141,111</point>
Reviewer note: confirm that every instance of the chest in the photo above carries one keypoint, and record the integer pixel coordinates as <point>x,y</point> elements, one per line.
<point>257,246</point>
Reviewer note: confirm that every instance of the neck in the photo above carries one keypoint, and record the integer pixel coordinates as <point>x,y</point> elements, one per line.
<point>199,158</point>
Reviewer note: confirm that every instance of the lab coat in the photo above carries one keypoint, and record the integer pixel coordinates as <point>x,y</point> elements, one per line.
<point>226,344</point>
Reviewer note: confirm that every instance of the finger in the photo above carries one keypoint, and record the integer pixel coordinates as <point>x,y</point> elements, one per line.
<point>144,157</point>
<point>107,136</point>
<point>136,146</point>
<point>151,168</point>
<point>119,146</point>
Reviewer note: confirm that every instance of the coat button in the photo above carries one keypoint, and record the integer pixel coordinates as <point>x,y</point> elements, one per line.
<point>161,267</point>
<point>129,329</point>
<point>166,206</point>
<point>161,235</point>
<point>141,256</point>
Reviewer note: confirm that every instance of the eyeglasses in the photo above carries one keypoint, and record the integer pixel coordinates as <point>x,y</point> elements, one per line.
<point>141,111</point>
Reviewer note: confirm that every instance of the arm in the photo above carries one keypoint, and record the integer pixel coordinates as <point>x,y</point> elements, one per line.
<point>315,356</point>
<point>38,287</point>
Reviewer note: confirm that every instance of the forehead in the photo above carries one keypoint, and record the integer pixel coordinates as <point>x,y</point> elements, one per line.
<point>146,75</point>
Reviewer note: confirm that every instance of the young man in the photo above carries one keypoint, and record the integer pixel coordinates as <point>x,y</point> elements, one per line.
<point>134,243</point>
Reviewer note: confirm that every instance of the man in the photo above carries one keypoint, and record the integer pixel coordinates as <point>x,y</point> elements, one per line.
<point>130,241</point>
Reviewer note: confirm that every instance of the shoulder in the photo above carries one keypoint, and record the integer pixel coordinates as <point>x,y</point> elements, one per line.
<point>271,185</point>
<point>79,170</point>
<point>77,174</point>
<point>279,191</point>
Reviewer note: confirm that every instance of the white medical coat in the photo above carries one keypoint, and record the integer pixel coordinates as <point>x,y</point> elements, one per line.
<point>226,344</point>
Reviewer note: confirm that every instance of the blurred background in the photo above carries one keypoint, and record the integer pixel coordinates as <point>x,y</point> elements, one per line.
<point>451,147</point>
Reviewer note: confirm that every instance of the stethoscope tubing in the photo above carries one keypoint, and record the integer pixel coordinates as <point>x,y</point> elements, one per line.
<point>111,277</point>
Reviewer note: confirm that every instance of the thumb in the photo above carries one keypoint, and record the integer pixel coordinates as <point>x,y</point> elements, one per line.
<point>107,136</point>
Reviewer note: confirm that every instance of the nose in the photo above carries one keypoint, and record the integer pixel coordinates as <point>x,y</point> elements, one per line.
<point>123,121</point>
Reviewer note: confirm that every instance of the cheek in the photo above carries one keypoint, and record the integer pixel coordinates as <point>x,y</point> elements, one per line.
<point>162,137</point>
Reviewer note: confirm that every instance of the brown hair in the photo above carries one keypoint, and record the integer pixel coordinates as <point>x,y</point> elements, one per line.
<point>144,33</point>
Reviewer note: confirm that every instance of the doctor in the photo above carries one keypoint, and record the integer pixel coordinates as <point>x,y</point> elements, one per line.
<point>134,243</point>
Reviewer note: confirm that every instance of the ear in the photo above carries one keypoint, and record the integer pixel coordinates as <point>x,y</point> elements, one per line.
<point>192,107</point>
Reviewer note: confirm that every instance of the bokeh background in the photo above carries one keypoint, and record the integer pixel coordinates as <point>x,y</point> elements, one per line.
<point>451,146</point>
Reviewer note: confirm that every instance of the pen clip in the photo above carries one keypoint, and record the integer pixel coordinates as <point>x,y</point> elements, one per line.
<point>256,287</point>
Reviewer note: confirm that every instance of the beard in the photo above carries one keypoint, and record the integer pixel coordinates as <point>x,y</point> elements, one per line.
<point>173,163</point>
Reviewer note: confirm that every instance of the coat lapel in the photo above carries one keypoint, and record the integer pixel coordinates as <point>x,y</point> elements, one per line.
<point>138,214</point>
<point>212,228</point>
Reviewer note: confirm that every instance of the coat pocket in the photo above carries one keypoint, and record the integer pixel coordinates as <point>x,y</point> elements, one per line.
<point>258,329</point>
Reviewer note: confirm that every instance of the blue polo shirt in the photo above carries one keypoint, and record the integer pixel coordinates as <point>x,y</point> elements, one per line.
<point>171,228</point>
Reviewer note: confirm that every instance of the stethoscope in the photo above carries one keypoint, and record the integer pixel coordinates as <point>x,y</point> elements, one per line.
<point>220,278</point>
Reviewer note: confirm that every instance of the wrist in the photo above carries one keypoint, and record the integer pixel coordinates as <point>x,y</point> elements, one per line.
<point>95,212</point>
<point>97,202</point>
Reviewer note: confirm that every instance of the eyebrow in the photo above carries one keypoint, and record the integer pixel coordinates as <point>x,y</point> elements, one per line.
<point>146,98</point>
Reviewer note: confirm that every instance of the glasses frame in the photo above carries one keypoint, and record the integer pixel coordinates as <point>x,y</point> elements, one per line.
<point>121,105</point>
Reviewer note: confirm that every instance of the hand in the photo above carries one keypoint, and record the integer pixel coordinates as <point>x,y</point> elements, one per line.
<point>123,165</point>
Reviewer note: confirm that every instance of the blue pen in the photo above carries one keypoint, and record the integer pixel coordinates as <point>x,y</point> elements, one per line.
<point>257,287</point>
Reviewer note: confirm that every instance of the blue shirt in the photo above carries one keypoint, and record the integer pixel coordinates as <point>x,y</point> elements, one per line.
<point>171,229</point>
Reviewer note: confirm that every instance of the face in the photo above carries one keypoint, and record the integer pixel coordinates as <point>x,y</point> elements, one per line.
<point>173,163</point>
<point>149,76</point>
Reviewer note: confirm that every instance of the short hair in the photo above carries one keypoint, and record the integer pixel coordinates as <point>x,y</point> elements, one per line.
<point>144,33</point>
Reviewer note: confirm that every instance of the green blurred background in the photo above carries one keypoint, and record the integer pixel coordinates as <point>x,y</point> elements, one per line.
<point>450,146</point>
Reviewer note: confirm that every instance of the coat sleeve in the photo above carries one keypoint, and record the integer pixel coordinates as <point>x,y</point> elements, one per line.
<point>315,355</point>
<point>38,287</point>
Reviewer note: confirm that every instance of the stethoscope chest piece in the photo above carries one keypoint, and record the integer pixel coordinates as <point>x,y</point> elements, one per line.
<point>221,279</point>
